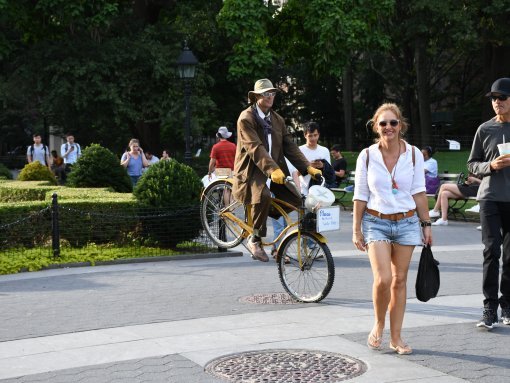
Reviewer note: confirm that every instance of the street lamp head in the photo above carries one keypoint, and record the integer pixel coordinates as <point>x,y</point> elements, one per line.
<point>186,63</point>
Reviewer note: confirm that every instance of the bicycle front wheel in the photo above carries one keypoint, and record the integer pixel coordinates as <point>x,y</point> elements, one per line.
<point>223,232</point>
<point>306,267</point>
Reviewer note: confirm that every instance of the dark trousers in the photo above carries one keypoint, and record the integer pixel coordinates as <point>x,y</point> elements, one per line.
<point>261,210</point>
<point>495,220</point>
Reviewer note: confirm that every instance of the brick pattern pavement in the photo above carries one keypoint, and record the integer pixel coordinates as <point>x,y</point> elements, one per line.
<point>460,350</point>
<point>165,369</point>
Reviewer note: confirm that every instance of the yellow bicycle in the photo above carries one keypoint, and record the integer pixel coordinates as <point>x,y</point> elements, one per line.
<point>305,264</point>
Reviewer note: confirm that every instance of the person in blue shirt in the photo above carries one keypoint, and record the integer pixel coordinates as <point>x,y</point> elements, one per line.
<point>134,160</point>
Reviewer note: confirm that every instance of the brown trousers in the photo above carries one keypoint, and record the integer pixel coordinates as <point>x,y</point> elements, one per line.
<point>262,210</point>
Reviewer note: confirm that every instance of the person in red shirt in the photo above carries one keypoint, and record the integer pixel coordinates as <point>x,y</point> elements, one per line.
<point>223,152</point>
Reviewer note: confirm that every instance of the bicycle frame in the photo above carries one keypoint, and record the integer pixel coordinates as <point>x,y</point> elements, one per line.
<point>278,204</point>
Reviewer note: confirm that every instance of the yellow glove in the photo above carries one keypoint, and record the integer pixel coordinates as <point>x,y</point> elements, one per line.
<point>315,173</point>
<point>278,177</point>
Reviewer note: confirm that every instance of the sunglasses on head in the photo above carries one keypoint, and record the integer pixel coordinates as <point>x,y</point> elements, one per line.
<point>500,98</point>
<point>269,94</point>
<point>393,123</point>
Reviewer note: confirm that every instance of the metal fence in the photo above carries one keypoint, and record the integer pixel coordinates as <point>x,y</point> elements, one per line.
<point>68,231</point>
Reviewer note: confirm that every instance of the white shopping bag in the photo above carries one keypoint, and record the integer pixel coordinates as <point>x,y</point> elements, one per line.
<point>206,181</point>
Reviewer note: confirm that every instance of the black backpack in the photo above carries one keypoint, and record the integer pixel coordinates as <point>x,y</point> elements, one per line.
<point>45,148</point>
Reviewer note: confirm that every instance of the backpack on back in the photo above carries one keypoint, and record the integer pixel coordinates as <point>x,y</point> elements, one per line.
<point>45,148</point>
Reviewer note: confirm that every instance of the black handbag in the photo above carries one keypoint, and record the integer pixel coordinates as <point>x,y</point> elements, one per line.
<point>427,280</point>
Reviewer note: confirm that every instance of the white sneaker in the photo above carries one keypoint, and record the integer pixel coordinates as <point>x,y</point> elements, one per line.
<point>474,209</point>
<point>479,228</point>
<point>434,214</point>
<point>440,222</point>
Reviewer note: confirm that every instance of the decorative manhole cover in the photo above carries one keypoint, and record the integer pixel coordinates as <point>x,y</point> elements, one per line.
<point>269,299</point>
<point>286,366</point>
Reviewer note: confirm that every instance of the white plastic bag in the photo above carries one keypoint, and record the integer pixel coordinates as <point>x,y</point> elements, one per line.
<point>319,196</point>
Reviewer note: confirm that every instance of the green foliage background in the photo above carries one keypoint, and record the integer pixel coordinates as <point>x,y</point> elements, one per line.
<point>99,167</point>
<point>105,70</point>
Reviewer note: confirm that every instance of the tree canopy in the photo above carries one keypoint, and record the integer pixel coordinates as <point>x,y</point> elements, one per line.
<point>105,70</point>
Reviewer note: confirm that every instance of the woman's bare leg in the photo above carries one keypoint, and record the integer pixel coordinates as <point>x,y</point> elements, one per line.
<point>400,259</point>
<point>379,254</point>
<point>450,191</point>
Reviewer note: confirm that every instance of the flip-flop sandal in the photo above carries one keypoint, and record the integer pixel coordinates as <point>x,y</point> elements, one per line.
<point>401,350</point>
<point>374,342</point>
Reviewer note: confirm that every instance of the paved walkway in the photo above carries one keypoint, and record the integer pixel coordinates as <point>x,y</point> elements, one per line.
<point>165,321</point>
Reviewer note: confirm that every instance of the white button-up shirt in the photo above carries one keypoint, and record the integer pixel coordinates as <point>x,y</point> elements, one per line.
<point>374,184</point>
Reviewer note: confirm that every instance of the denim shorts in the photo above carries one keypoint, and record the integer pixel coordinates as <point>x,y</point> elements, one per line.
<point>405,232</point>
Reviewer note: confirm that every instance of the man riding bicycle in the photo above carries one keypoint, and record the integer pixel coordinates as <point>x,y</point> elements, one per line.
<point>263,142</point>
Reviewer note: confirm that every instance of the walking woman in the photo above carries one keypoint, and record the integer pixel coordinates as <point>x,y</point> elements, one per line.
<point>134,160</point>
<point>390,218</point>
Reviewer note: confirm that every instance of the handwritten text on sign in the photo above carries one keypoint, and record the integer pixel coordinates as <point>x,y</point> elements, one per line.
<point>328,219</point>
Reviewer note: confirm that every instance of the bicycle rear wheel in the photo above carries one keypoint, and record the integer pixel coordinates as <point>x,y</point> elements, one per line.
<point>310,281</point>
<point>223,232</point>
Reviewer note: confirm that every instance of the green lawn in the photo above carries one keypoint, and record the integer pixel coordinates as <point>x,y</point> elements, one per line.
<point>450,161</point>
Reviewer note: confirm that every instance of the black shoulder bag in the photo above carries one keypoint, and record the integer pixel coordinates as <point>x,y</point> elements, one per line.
<point>427,281</point>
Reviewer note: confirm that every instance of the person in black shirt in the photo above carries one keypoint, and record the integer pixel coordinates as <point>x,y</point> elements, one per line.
<point>339,164</point>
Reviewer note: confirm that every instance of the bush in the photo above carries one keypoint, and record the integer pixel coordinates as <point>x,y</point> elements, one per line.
<point>35,171</point>
<point>5,173</point>
<point>170,185</point>
<point>99,167</point>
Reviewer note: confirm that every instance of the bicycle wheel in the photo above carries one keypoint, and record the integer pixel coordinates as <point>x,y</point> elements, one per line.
<point>223,232</point>
<point>312,280</point>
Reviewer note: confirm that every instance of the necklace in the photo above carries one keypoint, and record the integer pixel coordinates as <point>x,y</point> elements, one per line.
<point>394,185</point>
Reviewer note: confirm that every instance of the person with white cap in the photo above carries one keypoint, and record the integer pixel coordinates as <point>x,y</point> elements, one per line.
<point>263,143</point>
<point>494,199</point>
<point>223,152</point>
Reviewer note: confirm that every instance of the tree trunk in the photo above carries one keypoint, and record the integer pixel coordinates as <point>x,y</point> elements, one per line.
<point>423,90</point>
<point>496,64</point>
<point>347,83</point>
<point>149,136</point>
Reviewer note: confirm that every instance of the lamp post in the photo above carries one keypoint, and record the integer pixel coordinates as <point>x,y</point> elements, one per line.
<point>186,64</point>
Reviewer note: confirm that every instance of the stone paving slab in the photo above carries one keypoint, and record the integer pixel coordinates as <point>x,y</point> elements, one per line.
<point>460,350</point>
<point>165,369</point>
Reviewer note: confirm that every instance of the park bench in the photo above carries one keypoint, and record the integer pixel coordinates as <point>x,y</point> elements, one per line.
<point>455,206</point>
<point>341,191</point>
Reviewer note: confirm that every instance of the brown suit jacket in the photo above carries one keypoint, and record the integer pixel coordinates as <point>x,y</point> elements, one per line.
<point>253,164</point>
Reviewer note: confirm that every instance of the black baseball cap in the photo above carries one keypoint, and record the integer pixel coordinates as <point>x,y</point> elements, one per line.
<point>500,86</point>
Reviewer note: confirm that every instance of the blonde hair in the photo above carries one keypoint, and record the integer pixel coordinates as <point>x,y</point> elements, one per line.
<point>133,141</point>
<point>392,108</point>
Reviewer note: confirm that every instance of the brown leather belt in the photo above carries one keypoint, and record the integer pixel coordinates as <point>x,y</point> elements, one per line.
<point>391,217</point>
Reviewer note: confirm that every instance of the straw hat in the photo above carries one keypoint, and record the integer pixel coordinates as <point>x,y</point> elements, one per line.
<point>261,86</point>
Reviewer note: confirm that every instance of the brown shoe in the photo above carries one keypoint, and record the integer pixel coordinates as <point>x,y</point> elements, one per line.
<point>257,251</point>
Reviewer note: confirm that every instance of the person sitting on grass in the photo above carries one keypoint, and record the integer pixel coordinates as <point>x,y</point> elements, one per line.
<point>453,191</point>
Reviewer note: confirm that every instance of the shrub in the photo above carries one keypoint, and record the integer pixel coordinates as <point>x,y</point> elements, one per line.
<point>99,167</point>
<point>5,173</point>
<point>35,171</point>
<point>172,190</point>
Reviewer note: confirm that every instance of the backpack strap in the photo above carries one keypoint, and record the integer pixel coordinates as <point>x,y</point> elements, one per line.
<point>368,157</point>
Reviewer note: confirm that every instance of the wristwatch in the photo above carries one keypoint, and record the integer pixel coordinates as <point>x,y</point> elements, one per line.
<point>425,223</point>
